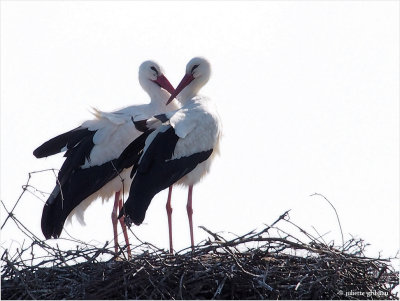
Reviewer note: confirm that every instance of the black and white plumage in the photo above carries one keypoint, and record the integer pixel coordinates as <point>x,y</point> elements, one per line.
<point>91,168</point>
<point>179,149</point>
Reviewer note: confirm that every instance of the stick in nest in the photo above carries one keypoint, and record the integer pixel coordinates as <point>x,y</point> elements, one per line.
<point>220,268</point>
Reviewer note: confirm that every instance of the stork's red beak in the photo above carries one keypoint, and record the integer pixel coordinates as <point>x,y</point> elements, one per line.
<point>164,83</point>
<point>186,80</point>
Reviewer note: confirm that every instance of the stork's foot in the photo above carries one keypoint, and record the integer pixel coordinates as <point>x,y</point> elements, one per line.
<point>169,214</point>
<point>125,231</point>
<point>189,210</point>
<point>114,219</point>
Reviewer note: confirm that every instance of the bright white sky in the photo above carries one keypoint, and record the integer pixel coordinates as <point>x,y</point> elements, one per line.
<point>308,93</point>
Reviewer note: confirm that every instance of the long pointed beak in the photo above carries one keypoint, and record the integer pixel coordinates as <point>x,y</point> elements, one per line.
<point>186,80</point>
<point>164,83</point>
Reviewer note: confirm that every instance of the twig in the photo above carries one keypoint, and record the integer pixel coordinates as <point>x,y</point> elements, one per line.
<point>337,216</point>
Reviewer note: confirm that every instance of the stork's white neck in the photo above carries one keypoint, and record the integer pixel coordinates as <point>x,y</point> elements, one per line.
<point>158,96</point>
<point>191,90</point>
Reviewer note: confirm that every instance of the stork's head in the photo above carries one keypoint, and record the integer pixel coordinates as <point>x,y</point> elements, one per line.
<point>198,72</point>
<point>151,78</point>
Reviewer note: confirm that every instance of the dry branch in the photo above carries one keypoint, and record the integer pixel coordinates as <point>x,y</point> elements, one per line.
<point>251,266</point>
<point>269,264</point>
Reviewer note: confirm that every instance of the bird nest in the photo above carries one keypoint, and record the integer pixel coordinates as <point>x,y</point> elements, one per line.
<point>266,264</point>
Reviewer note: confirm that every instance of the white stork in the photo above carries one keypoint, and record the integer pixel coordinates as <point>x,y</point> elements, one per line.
<point>89,170</point>
<point>179,148</point>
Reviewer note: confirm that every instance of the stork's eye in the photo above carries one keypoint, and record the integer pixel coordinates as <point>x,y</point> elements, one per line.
<point>194,67</point>
<point>154,69</point>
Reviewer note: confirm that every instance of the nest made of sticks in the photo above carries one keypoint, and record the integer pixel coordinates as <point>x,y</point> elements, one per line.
<point>268,264</point>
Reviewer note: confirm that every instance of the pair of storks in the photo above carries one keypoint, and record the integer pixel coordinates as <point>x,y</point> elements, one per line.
<point>142,149</point>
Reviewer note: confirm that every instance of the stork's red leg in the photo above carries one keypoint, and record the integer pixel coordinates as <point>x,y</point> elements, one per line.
<point>114,219</point>
<point>124,230</point>
<point>190,213</point>
<point>169,214</point>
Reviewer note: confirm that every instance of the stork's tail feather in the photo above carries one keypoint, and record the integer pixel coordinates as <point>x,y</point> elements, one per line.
<point>53,218</point>
<point>80,185</point>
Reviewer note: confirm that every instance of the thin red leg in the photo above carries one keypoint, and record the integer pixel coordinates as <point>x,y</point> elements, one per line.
<point>114,219</point>
<point>169,214</point>
<point>190,213</point>
<point>124,230</point>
